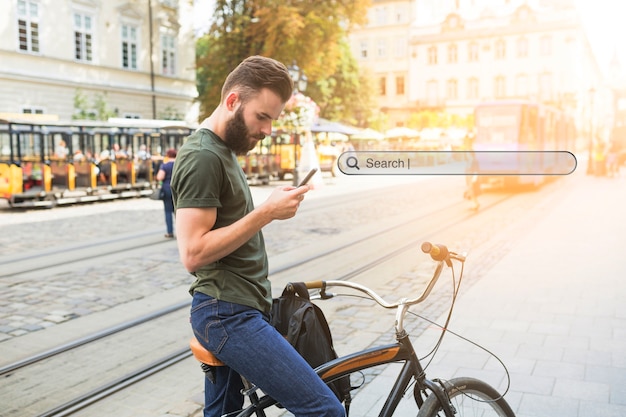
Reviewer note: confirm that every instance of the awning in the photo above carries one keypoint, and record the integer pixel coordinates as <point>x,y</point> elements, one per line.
<point>401,132</point>
<point>368,134</point>
<point>323,125</point>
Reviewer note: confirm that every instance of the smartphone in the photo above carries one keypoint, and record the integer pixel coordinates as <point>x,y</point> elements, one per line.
<point>308,177</point>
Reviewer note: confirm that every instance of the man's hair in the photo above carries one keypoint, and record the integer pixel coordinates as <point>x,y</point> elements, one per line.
<point>258,72</point>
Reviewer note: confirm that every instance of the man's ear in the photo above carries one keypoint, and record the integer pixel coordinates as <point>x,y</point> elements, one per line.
<point>231,100</point>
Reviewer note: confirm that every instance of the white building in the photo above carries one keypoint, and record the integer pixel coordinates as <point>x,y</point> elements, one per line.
<point>461,52</point>
<point>134,58</point>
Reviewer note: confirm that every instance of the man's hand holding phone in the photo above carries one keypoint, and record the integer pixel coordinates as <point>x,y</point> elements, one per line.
<point>285,201</point>
<point>308,177</point>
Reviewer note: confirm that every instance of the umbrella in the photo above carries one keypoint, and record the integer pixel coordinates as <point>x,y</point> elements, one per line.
<point>401,132</point>
<point>368,134</point>
<point>323,125</point>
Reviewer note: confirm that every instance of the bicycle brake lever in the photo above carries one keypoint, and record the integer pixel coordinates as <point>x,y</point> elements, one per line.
<point>458,256</point>
<point>325,295</point>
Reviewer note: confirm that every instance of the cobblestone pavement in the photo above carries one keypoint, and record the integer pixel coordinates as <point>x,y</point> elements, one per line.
<point>36,301</point>
<point>553,379</point>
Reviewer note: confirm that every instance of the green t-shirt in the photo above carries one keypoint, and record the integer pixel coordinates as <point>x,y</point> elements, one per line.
<point>207,174</point>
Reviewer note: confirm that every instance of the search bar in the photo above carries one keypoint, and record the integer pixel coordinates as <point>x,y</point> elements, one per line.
<point>457,163</point>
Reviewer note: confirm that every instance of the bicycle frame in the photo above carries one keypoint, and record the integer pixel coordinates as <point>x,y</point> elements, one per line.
<point>401,351</point>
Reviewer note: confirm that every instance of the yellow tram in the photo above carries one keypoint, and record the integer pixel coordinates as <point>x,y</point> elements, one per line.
<point>45,163</point>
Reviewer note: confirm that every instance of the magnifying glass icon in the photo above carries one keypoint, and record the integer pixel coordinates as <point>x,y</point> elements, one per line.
<point>352,162</point>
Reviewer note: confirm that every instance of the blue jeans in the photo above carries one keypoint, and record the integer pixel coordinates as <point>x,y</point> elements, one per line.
<point>168,207</point>
<point>242,338</point>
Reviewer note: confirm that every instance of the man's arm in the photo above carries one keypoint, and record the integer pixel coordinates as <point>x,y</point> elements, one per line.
<point>198,245</point>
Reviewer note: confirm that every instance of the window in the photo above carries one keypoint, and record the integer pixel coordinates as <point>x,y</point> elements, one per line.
<point>452,54</point>
<point>546,45</point>
<point>545,86</point>
<point>363,49</point>
<point>499,87</point>
<point>472,52</point>
<point>451,90</point>
<point>168,54</point>
<point>83,37</point>
<point>28,25</point>
<point>32,110</point>
<point>432,55</point>
<point>129,46</point>
<point>522,48</point>
<point>500,49</point>
<point>382,86</point>
<point>400,85</point>
<point>432,93</point>
<point>380,16</point>
<point>521,85</point>
<point>402,14</point>
<point>472,89</point>
<point>382,48</point>
<point>401,47</point>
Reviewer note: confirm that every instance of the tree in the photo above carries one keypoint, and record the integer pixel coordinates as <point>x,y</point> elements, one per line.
<point>311,33</point>
<point>98,110</point>
<point>221,49</point>
<point>345,95</point>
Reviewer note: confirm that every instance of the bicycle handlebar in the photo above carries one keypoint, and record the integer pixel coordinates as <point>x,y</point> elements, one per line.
<point>438,252</point>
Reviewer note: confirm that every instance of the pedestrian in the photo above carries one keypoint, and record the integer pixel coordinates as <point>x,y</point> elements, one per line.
<point>472,184</point>
<point>612,153</point>
<point>164,176</point>
<point>220,242</point>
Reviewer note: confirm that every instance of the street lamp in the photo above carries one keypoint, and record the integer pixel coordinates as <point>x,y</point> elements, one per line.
<point>299,84</point>
<point>299,78</point>
<point>592,91</point>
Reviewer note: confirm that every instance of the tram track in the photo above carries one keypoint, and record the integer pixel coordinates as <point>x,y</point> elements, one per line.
<point>285,267</point>
<point>46,257</point>
<point>52,257</point>
<point>287,263</point>
<point>340,249</point>
<point>332,260</point>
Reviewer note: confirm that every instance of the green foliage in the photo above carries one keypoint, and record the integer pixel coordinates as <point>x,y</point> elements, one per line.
<point>344,95</point>
<point>97,110</point>
<point>170,113</point>
<point>311,33</point>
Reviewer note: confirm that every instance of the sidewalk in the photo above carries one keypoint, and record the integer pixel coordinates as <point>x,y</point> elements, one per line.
<point>553,310</point>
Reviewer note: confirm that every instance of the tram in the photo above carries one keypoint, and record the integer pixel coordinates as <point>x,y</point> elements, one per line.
<point>46,163</point>
<point>508,131</point>
<point>272,158</point>
<point>275,157</point>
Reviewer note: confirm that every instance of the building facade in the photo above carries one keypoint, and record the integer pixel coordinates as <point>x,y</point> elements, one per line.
<point>462,52</point>
<point>98,58</point>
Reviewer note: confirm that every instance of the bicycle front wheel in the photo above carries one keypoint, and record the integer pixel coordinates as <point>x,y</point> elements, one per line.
<point>469,397</point>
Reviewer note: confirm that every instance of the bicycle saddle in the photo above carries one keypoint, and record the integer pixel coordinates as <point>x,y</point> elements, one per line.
<point>203,355</point>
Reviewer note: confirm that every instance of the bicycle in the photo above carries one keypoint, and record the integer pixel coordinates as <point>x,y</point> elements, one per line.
<point>434,397</point>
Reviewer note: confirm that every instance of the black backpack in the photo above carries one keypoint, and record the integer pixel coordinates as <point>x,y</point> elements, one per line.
<point>306,329</point>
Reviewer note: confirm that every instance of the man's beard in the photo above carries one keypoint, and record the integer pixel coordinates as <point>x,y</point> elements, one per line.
<point>237,136</point>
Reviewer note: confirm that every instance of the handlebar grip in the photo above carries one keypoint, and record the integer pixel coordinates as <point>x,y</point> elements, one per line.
<point>438,252</point>
<point>314,285</point>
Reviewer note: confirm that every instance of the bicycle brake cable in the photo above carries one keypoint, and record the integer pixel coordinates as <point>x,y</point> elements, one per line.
<point>447,330</point>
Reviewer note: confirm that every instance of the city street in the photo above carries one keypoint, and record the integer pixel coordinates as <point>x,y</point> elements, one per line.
<point>544,294</point>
